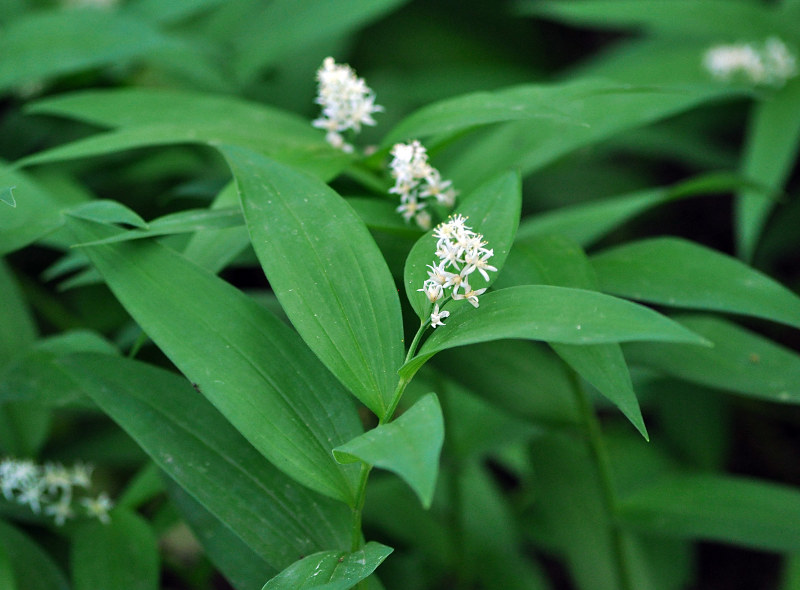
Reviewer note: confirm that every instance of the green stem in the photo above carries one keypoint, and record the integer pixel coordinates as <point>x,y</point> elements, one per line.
<point>600,455</point>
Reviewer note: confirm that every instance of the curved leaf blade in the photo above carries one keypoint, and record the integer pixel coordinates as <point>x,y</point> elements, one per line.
<point>714,507</point>
<point>552,314</point>
<point>331,570</point>
<point>493,210</point>
<point>250,365</point>
<point>679,273</point>
<point>193,444</point>
<point>326,271</point>
<point>408,446</point>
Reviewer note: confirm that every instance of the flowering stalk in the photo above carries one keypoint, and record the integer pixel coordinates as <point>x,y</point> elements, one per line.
<point>416,180</point>
<point>347,103</point>
<point>773,63</point>
<point>49,488</point>
<point>461,252</point>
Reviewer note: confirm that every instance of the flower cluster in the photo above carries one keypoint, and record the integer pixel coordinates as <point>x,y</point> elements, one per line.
<point>50,487</point>
<point>415,180</point>
<point>347,102</point>
<point>773,63</point>
<point>460,252</point>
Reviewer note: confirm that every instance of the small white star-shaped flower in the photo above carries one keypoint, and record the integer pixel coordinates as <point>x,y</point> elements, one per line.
<point>437,316</point>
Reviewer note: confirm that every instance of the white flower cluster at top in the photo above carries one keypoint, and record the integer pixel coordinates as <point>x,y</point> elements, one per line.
<point>773,63</point>
<point>347,102</point>
<point>415,180</point>
<point>50,487</point>
<point>462,250</point>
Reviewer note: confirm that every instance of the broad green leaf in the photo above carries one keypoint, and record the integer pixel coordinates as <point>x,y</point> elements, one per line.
<point>530,101</point>
<point>192,220</point>
<point>109,212</point>
<point>76,40</point>
<point>187,438</point>
<point>408,446</point>
<point>36,376</point>
<point>770,154</point>
<point>588,222</point>
<point>717,508</point>
<point>120,555</point>
<point>715,20</point>
<point>17,326</point>
<point>34,569</point>
<point>311,155</point>
<point>492,210</point>
<point>560,262</point>
<point>331,570</point>
<point>740,361</point>
<point>552,314</point>
<point>240,564</point>
<point>169,12</point>
<point>327,273</point>
<point>679,273</point>
<point>291,29</point>
<point>528,145</point>
<point>251,366</point>
<point>381,214</point>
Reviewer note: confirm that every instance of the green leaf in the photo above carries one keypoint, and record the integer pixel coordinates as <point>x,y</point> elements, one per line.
<point>769,156</point>
<point>291,30</point>
<point>76,40</point>
<point>120,555</point>
<point>679,273</point>
<point>191,220</point>
<point>714,20</point>
<point>187,438</point>
<point>108,212</point>
<point>17,326</point>
<point>604,109</point>
<point>560,262</point>
<point>552,314</point>
<point>717,508</point>
<point>240,564</point>
<point>588,222</point>
<point>34,569</point>
<point>493,210</point>
<point>408,446</point>
<point>330,570</point>
<point>6,571</point>
<point>740,361</point>
<point>327,273</point>
<point>250,365</point>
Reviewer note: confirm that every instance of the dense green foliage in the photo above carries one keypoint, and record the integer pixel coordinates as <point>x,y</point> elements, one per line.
<point>228,317</point>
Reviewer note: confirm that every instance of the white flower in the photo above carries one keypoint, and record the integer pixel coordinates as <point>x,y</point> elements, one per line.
<point>346,101</point>
<point>469,294</point>
<point>98,507</point>
<point>57,478</point>
<point>773,63</point>
<point>61,510</point>
<point>437,316</point>
<point>416,179</point>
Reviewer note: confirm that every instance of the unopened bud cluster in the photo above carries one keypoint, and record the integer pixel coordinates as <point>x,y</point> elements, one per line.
<point>347,102</point>
<point>415,181</point>
<point>461,252</point>
<point>771,63</point>
<point>50,489</point>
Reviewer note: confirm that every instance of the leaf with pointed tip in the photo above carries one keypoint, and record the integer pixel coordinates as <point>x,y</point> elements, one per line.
<point>331,570</point>
<point>32,565</point>
<point>493,210</point>
<point>192,443</point>
<point>551,314</point>
<point>250,365</point>
<point>408,446</point>
<point>7,195</point>
<point>672,271</point>
<point>717,508</point>
<point>740,361</point>
<point>326,271</point>
<point>109,212</point>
